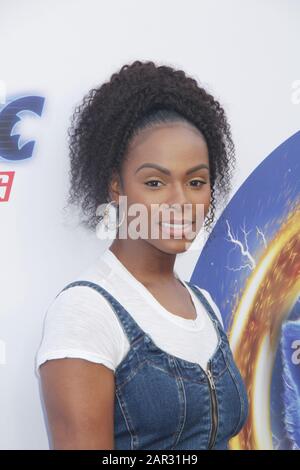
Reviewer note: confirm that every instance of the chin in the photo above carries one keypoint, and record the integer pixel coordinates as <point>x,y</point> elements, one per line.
<point>173,246</point>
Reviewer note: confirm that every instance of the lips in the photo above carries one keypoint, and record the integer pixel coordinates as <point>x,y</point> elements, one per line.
<point>178,222</point>
<point>181,229</point>
<point>174,224</point>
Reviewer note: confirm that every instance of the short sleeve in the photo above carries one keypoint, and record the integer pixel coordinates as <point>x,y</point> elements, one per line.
<point>80,323</point>
<point>212,303</point>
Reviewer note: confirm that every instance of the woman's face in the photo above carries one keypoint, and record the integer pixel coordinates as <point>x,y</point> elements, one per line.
<point>167,165</point>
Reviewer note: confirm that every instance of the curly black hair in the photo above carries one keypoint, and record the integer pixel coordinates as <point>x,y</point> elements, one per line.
<point>139,95</point>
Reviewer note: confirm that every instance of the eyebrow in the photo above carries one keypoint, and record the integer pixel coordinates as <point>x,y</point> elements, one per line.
<point>167,172</point>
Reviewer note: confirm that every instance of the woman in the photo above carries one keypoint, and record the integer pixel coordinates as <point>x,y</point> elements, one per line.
<point>133,356</point>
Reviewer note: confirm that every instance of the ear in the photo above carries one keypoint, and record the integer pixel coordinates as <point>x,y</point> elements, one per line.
<point>115,187</point>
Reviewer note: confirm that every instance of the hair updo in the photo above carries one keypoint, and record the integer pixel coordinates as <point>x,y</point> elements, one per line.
<point>139,96</point>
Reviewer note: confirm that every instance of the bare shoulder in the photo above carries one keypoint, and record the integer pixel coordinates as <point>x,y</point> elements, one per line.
<point>79,400</point>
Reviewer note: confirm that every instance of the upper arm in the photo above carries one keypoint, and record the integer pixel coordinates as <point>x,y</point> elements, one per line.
<point>79,400</point>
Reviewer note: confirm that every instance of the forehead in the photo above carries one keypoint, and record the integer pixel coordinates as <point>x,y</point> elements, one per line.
<point>167,141</point>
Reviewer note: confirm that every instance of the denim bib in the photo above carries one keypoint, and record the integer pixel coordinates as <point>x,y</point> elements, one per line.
<point>165,402</point>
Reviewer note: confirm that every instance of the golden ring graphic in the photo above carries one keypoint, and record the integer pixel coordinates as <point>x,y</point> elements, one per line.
<point>269,295</point>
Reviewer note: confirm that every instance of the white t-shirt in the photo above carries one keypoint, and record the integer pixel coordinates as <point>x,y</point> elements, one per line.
<point>81,323</point>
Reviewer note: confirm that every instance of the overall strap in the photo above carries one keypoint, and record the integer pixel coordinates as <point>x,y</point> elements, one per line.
<point>129,325</point>
<point>206,304</point>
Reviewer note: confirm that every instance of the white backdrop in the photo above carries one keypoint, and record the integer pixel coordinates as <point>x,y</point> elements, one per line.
<point>245,53</point>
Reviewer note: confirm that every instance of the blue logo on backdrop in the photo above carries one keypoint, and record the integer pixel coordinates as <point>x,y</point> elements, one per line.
<point>10,115</point>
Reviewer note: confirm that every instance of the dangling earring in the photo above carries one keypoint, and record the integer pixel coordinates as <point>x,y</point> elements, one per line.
<point>105,216</point>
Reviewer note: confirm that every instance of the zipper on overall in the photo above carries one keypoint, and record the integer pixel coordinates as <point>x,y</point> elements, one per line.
<point>213,396</point>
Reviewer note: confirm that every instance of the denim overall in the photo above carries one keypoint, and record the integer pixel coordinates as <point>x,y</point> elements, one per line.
<point>165,402</point>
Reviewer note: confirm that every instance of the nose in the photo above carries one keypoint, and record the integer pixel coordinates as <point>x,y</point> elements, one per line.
<point>179,204</point>
<point>178,198</point>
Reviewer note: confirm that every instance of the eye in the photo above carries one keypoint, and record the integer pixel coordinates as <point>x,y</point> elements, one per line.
<point>152,181</point>
<point>199,181</point>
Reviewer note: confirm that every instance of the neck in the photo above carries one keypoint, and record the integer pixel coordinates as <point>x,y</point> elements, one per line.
<point>146,262</point>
